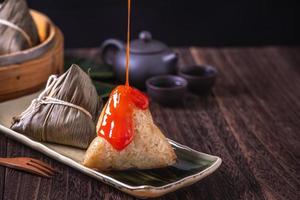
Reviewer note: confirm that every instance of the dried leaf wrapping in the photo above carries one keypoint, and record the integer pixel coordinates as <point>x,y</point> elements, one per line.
<point>11,40</point>
<point>63,124</point>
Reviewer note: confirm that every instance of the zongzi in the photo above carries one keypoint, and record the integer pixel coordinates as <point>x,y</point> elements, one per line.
<point>64,113</point>
<point>17,28</point>
<point>127,136</point>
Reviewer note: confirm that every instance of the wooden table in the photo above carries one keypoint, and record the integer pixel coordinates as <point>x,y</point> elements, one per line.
<point>251,120</point>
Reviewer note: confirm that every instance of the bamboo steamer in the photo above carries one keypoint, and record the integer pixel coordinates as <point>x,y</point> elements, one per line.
<point>27,71</point>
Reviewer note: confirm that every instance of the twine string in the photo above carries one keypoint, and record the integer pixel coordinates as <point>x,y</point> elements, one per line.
<point>17,28</point>
<point>43,98</point>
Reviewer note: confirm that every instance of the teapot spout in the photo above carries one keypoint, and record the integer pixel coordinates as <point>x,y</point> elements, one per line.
<point>171,58</point>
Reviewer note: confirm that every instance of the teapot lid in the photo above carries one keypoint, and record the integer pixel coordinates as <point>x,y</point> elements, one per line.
<point>145,44</point>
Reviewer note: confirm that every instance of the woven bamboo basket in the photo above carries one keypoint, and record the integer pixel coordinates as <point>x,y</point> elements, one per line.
<point>27,71</point>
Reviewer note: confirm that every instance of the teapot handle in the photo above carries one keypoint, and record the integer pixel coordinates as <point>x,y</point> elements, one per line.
<point>109,49</point>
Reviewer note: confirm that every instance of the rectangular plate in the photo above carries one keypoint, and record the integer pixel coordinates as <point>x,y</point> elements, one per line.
<point>191,167</point>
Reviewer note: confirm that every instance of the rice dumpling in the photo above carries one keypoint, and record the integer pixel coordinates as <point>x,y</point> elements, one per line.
<point>64,113</point>
<point>127,135</point>
<point>17,28</point>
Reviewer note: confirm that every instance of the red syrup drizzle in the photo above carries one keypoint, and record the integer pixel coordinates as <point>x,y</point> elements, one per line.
<point>117,122</point>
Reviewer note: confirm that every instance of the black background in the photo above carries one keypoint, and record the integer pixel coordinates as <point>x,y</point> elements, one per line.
<point>86,23</point>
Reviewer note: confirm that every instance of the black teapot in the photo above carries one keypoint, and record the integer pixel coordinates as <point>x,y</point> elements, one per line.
<point>148,57</point>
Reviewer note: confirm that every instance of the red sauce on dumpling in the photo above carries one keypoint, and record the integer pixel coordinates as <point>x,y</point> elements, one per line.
<point>117,122</point>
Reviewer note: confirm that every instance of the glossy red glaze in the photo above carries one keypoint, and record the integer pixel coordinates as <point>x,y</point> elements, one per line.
<point>117,124</point>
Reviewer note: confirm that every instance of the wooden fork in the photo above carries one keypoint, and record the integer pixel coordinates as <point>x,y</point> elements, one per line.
<point>30,165</point>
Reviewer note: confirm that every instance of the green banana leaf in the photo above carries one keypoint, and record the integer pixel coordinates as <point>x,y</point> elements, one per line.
<point>102,75</point>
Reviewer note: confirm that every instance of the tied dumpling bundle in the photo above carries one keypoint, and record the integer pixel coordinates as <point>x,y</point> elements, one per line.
<point>64,113</point>
<point>17,28</point>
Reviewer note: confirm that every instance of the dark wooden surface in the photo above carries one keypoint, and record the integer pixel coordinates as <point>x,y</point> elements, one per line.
<point>251,120</point>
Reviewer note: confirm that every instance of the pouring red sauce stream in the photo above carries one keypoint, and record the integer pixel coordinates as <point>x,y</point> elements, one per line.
<point>128,43</point>
<point>117,121</point>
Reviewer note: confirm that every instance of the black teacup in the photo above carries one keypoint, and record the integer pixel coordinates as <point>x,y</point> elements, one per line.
<point>167,89</point>
<point>200,78</point>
